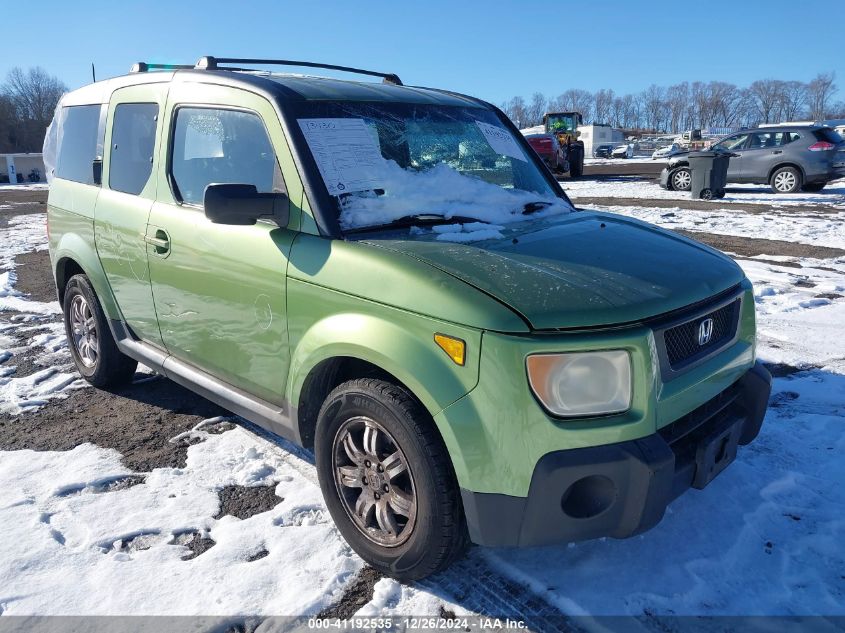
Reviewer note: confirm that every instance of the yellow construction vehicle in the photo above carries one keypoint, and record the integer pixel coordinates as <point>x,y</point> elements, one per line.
<point>564,126</point>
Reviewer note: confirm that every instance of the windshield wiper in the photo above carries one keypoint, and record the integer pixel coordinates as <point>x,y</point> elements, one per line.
<point>419,219</point>
<point>533,207</point>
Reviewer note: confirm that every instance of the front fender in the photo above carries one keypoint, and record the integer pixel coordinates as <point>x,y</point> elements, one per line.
<point>397,341</point>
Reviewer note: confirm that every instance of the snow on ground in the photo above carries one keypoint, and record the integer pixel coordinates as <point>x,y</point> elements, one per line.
<point>632,187</point>
<point>29,327</point>
<point>782,224</point>
<point>72,548</point>
<point>28,186</point>
<point>764,538</point>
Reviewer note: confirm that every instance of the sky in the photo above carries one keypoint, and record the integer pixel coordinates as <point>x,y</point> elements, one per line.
<point>492,49</point>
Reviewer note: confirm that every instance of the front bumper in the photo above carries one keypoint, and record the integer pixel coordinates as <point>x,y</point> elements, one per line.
<point>622,489</point>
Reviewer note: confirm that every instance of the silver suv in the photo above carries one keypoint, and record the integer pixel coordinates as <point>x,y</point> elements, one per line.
<point>788,158</point>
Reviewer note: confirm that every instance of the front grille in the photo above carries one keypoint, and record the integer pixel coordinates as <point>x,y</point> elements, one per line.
<point>682,341</point>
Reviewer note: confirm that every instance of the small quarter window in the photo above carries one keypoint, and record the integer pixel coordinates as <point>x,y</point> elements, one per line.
<point>80,136</point>
<point>221,146</point>
<point>132,146</point>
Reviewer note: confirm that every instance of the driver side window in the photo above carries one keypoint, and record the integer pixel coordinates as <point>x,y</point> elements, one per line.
<point>221,146</point>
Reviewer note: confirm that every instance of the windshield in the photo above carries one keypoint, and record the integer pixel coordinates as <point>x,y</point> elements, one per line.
<point>562,122</point>
<point>385,161</point>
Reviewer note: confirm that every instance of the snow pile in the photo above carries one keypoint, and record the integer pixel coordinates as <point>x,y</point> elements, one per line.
<point>800,311</point>
<point>469,232</point>
<point>73,548</point>
<point>444,191</point>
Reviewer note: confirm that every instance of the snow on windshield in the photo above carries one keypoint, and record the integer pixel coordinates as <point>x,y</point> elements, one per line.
<point>440,190</point>
<point>386,161</point>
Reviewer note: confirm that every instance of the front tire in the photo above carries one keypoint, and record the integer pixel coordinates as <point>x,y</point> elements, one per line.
<point>576,163</point>
<point>388,481</point>
<point>786,180</point>
<point>90,340</point>
<point>681,179</point>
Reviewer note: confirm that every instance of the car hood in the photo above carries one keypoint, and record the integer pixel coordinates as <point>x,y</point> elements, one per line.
<point>582,269</point>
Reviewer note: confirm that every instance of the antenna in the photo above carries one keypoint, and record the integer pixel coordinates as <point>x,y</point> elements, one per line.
<point>93,73</point>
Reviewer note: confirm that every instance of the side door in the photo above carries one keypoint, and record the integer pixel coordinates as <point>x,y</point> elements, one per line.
<point>765,150</point>
<point>220,290</point>
<point>735,144</point>
<point>133,130</point>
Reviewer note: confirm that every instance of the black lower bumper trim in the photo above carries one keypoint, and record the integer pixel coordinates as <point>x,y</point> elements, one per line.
<point>622,489</point>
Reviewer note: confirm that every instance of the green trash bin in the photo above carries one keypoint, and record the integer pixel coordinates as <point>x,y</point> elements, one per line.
<point>709,174</point>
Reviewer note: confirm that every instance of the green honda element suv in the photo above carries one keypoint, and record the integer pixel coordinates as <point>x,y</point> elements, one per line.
<point>390,276</point>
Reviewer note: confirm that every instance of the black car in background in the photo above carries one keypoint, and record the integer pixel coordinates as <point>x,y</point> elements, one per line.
<point>603,151</point>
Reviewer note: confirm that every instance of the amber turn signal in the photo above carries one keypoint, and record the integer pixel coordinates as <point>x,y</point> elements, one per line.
<point>454,347</point>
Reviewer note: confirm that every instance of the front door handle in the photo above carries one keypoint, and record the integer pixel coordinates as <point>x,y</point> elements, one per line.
<point>777,151</point>
<point>160,242</point>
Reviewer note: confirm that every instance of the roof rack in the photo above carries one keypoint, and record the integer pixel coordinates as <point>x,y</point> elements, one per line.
<point>142,67</point>
<point>211,63</point>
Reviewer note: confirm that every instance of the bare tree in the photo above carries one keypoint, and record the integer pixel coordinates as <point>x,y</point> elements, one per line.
<point>34,93</point>
<point>728,104</point>
<point>837,110</point>
<point>793,99</point>
<point>603,105</point>
<point>654,106</point>
<point>33,96</point>
<point>767,96</point>
<point>517,112</point>
<point>536,109</point>
<point>576,100</point>
<point>819,92</point>
<point>677,98</point>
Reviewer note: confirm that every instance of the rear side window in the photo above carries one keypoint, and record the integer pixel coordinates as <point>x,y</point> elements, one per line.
<point>132,145</point>
<point>81,139</point>
<point>768,139</point>
<point>221,146</point>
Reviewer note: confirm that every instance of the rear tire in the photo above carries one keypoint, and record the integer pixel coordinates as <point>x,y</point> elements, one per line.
<point>813,187</point>
<point>786,180</point>
<point>388,481</point>
<point>90,340</point>
<point>706,194</point>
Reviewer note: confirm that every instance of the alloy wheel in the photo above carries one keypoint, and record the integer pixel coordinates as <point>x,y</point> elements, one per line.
<point>83,327</point>
<point>681,180</point>
<point>785,181</point>
<point>374,481</point>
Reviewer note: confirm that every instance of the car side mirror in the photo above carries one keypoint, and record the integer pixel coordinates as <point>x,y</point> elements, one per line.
<point>97,171</point>
<point>242,205</point>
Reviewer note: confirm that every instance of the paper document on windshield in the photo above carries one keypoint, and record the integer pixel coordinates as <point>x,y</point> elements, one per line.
<point>346,152</point>
<point>501,141</point>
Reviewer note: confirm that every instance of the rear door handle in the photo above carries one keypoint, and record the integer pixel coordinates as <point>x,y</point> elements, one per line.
<point>777,151</point>
<point>160,242</point>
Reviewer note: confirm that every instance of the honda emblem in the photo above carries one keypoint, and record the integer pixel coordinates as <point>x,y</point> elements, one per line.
<point>705,331</point>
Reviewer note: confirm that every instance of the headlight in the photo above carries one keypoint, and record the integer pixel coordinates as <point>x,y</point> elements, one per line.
<point>583,383</point>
